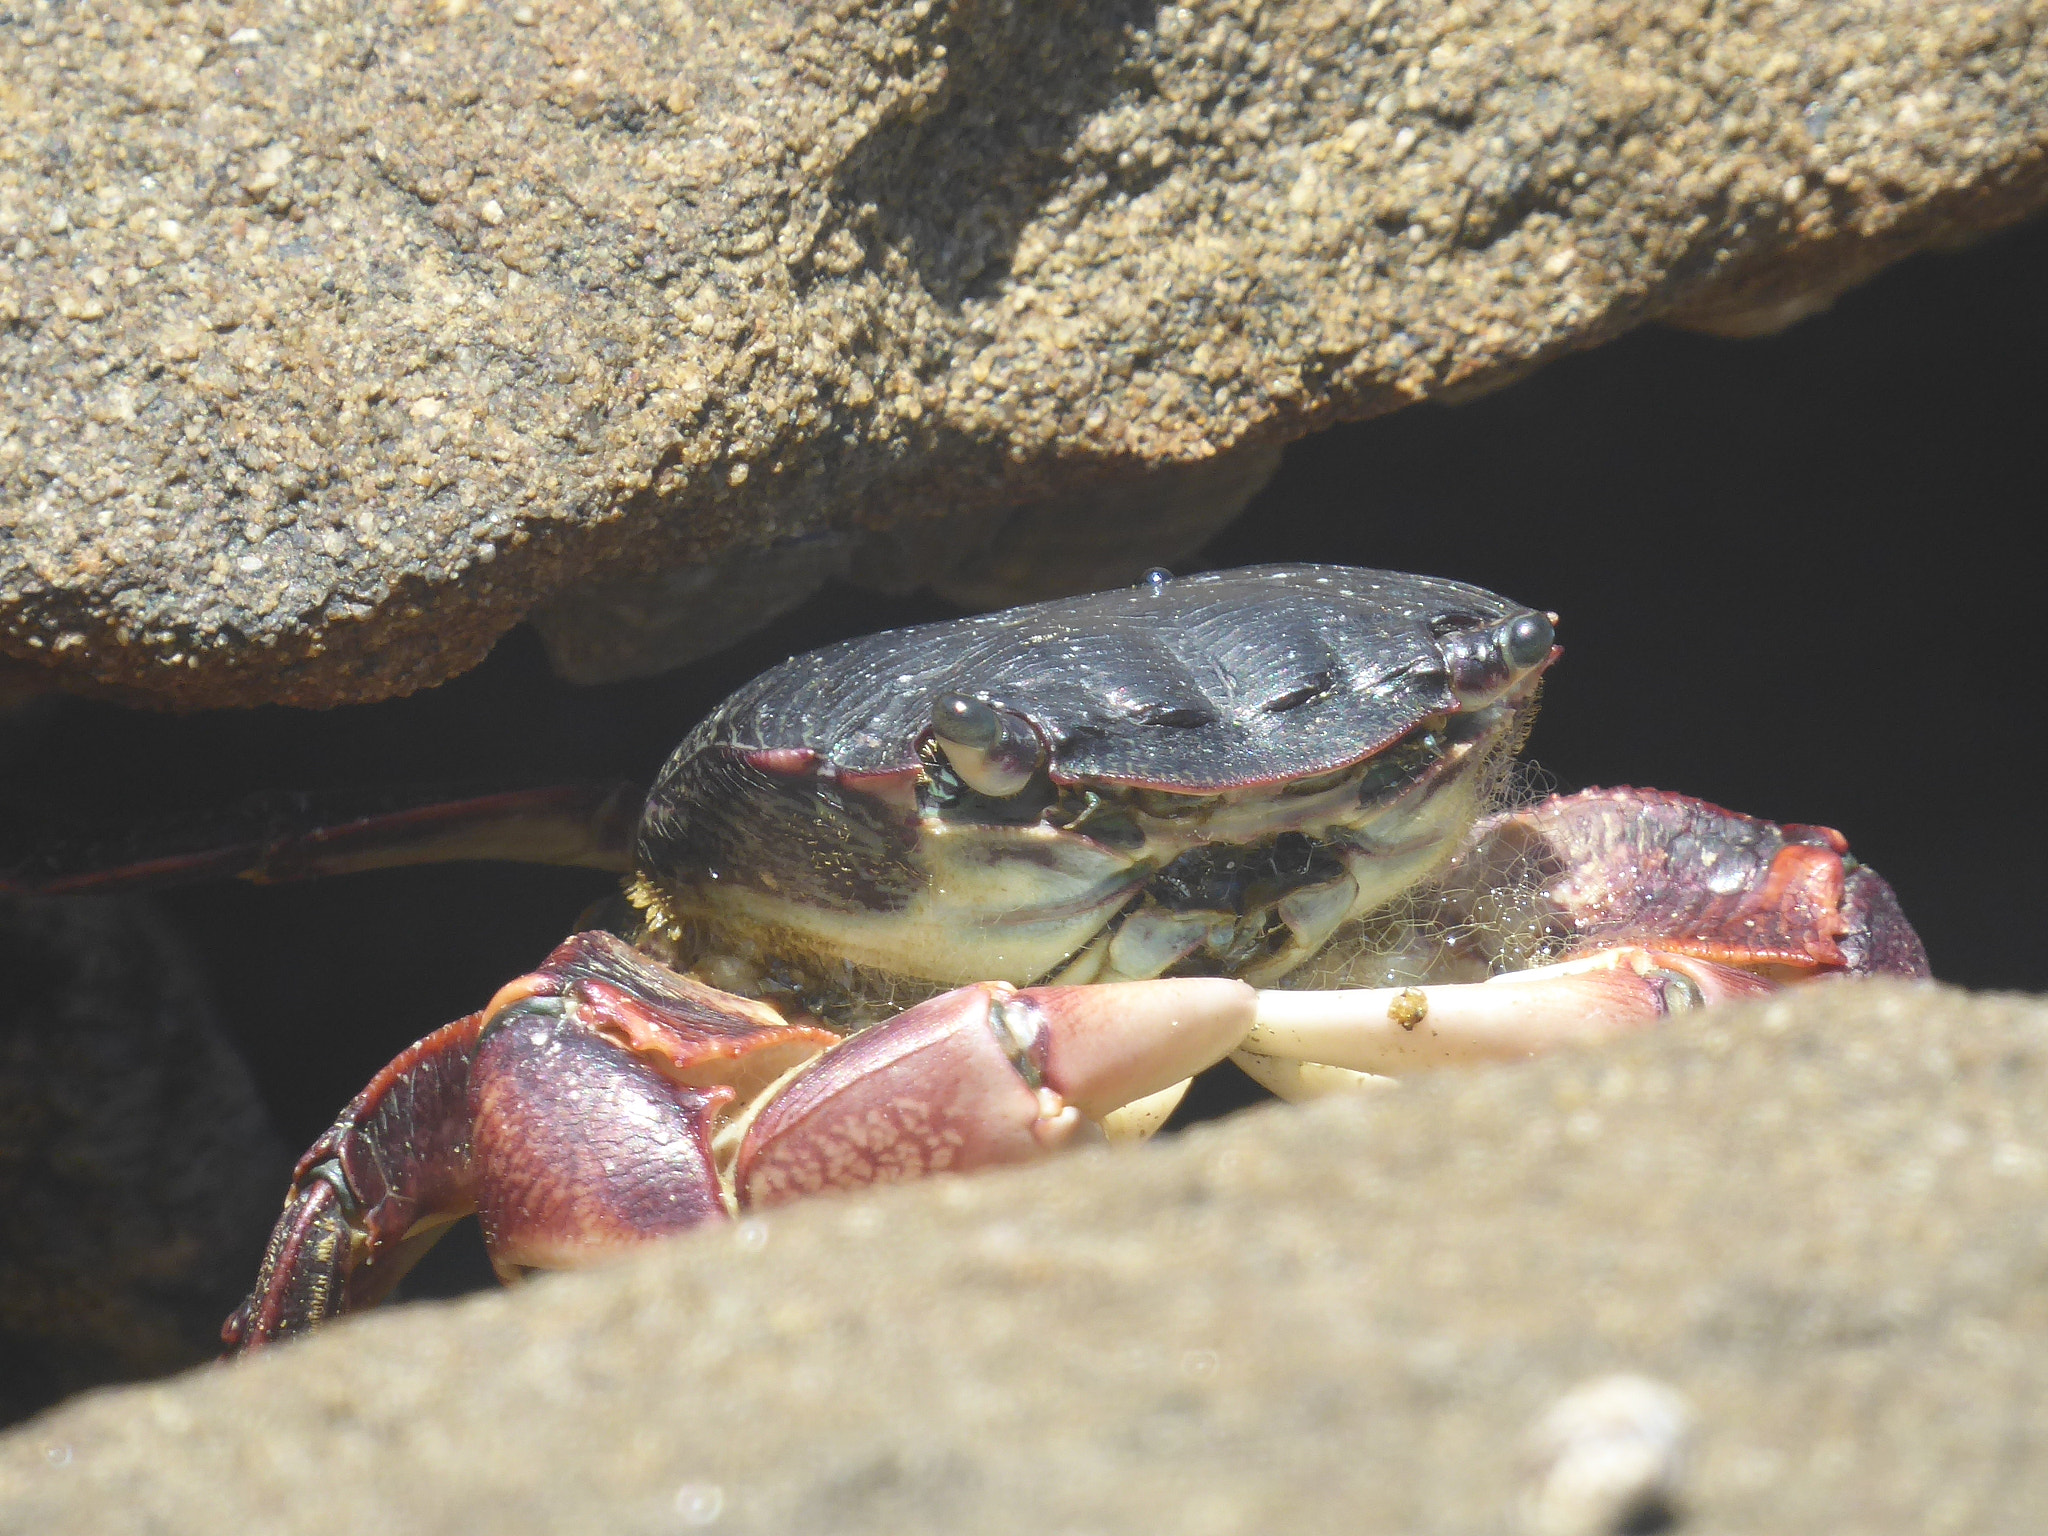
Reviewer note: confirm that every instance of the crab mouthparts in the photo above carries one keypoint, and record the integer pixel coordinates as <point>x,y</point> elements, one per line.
<point>1336,847</point>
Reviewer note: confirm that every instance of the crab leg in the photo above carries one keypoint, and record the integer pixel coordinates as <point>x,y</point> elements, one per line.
<point>271,839</point>
<point>369,1196</point>
<point>1390,1031</point>
<point>559,1139</point>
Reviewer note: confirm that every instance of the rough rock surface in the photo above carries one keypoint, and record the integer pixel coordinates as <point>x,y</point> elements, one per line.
<point>334,338</point>
<point>138,1170</point>
<point>1812,1228</point>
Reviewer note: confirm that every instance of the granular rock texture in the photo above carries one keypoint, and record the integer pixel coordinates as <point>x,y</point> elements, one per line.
<point>1776,1269</point>
<point>138,1171</point>
<point>336,337</point>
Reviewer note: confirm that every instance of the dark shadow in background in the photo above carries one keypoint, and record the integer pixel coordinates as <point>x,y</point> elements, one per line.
<point>1792,576</point>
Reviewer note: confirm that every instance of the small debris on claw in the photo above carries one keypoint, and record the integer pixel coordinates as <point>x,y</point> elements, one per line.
<point>1409,1007</point>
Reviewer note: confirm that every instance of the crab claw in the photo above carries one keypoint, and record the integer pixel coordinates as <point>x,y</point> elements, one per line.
<point>1102,1047</point>
<point>981,1076</point>
<point>1391,1031</point>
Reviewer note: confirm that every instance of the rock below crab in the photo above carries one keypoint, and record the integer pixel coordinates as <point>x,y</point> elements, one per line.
<point>959,895</point>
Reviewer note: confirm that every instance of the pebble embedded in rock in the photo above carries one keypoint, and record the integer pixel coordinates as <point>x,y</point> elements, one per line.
<point>1608,1459</point>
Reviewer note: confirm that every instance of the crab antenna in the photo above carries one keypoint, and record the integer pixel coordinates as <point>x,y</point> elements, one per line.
<point>993,751</point>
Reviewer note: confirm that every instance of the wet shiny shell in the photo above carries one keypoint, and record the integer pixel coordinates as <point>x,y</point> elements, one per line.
<point>1196,685</point>
<point>1199,684</point>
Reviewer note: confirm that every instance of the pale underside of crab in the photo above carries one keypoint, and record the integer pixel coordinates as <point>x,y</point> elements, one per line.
<point>958,896</point>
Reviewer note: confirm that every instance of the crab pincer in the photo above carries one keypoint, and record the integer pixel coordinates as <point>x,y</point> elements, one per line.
<point>981,1076</point>
<point>604,1101</point>
<point>1659,903</point>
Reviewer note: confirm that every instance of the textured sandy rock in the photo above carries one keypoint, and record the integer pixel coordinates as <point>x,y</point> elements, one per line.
<point>335,338</point>
<point>1811,1231</point>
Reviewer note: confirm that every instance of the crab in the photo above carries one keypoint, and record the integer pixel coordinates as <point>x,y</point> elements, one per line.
<point>963,895</point>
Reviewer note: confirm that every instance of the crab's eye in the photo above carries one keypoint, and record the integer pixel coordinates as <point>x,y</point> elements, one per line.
<point>993,751</point>
<point>1527,641</point>
<point>959,721</point>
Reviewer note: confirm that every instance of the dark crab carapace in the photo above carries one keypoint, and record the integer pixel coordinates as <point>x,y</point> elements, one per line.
<point>1206,774</point>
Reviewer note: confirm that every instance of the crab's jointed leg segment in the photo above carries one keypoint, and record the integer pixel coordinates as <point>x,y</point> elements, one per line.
<point>564,1143</point>
<point>1674,873</point>
<point>1391,1031</point>
<point>275,838</point>
<point>370,1194</point>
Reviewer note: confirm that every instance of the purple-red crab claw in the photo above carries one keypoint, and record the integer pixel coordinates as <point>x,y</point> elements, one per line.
<point>1654,903</point>
<point>606,1099</point>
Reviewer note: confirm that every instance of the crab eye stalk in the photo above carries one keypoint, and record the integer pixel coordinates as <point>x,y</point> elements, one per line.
<point>959,721</point>
<point>1527,641</point>
<point>1485,662</point>
<point>993,751</point>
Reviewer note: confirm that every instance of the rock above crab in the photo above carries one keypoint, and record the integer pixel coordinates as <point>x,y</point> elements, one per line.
<point>1818,1220</point>
<point>335,345</point>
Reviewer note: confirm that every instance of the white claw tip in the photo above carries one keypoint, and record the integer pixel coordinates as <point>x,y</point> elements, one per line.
<point>1058,1122</point>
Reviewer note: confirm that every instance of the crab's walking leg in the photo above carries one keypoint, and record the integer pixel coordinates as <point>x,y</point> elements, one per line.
<point>370,1194</point>
<point>565,1146</point>
<point>271,839</point>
